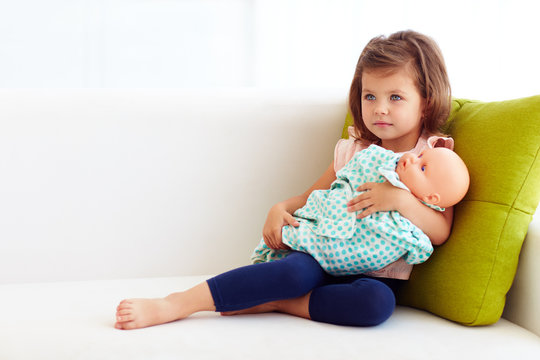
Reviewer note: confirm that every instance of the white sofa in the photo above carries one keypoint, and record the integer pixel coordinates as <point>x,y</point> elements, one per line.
<point>108,194</point>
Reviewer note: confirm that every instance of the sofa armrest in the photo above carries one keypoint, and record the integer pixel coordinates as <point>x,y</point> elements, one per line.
<point>523,300</point>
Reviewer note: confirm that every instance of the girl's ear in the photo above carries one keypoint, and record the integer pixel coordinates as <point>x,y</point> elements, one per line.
<point>432,199</point>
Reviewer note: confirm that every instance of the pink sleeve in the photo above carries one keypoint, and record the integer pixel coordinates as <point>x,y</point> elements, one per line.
<point>345,149</point>
<point>339,153</point>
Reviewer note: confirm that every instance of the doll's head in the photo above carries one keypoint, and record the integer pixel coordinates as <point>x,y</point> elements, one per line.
<point>437,176</point>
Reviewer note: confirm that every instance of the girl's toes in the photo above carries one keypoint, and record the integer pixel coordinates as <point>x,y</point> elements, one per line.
<point>124,304</point>
<point>122,312</point>
<point>124,318</point>
<point>129,325</point>
<point>125,325</point>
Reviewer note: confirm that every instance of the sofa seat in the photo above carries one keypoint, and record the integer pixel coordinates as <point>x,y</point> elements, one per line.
<point>74,320</point>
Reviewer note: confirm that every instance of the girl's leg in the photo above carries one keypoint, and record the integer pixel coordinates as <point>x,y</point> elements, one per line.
<point>364,302</point>
<point>139,313</point>
<point>241,288</point>
<point>296,306</point>
<point>249,286</point>
<point>360,302</point>
<point>283,286</point>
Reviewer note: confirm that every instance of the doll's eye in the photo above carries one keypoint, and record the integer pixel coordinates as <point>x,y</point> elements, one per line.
<point>423,167</point>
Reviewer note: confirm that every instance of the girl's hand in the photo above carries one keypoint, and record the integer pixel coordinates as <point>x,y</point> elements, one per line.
<point>377,197</point>
<point>276,219</point>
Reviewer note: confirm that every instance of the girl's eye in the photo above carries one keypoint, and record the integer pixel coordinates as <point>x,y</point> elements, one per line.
<point>395,97</point>
<point>370,97</point>
<point>423,167</point>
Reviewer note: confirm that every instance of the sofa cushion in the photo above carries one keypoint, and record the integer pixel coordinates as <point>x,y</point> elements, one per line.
<point>467,278</point>
<point>75,320</point>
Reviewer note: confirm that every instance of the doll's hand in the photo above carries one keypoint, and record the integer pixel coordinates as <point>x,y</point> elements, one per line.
<point>276,219</point>
<point>377,197</point>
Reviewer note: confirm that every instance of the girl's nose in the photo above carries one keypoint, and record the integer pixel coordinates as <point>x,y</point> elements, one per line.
<point>381,108</point>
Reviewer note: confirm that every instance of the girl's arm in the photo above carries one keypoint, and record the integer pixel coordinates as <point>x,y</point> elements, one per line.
<point>385,197</point>
<point>281,213</point>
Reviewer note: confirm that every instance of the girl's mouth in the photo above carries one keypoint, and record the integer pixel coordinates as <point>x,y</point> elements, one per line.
<point>382,124</point>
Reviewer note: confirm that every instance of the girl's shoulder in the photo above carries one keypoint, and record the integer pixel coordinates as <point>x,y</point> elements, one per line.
<point>346,148</point>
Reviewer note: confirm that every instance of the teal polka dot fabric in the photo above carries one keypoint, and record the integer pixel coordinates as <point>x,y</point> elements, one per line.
<point>343,244</point>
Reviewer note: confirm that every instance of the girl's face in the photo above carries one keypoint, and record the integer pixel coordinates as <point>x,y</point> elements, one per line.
<point>392,108</point>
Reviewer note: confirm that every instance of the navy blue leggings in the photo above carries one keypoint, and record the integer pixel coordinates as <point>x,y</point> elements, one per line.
<point>344,300</point>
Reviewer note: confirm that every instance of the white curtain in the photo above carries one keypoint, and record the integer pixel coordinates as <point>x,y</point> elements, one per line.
<point>491,47</point>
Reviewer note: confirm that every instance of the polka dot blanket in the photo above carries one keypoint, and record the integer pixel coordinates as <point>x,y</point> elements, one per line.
<point>343,244</point>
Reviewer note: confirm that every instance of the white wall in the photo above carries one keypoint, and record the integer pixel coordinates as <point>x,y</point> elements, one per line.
<point>123,43</point>
<point>491,47</point>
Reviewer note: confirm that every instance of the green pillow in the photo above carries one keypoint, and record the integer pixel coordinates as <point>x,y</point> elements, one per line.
<point>467,278</point>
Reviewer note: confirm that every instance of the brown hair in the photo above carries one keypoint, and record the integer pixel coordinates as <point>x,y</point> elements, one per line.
<point>423,58</point>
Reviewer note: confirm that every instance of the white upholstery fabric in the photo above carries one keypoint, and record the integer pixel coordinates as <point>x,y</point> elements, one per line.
<point>99,185</point>
<point>74,320</point>
<point>523,300</point>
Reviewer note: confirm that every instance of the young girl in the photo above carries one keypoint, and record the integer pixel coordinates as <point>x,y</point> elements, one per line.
<point>399,98</point>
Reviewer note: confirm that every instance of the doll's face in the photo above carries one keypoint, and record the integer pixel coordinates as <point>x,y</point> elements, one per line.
<point>437,176</point>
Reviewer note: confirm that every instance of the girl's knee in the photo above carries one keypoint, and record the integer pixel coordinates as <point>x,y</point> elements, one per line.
<point>365,302</point>
<point>377,301</point>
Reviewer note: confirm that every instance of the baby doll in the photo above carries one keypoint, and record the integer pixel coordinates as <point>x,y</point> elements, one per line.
<point>345,245</point>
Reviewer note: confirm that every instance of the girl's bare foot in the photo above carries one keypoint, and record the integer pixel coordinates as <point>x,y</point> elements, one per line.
<point>139,313</point>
